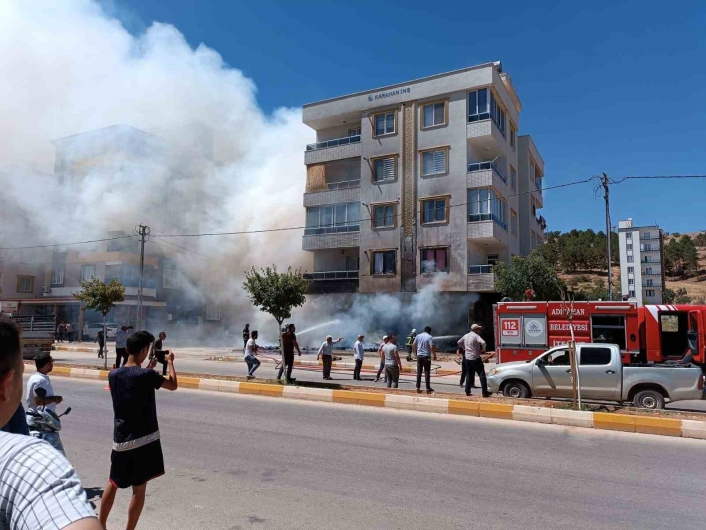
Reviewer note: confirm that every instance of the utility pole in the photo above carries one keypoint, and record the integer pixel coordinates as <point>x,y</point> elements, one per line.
<point>606,195</point>
<point>143,231</point>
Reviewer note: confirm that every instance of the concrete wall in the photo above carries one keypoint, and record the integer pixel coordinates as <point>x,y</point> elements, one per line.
<point>333,259</point>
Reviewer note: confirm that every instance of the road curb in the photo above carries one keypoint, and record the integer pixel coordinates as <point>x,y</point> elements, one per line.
<point>596,420</point>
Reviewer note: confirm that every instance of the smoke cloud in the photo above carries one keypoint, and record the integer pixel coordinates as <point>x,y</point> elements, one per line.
<point>218,162</point>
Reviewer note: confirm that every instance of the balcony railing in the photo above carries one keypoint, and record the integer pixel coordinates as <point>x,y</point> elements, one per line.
<point>331,275</point>
<point>651,260</point>
<point>344,185</point>
<point>480,269</point>
<point>334,143</point>
<point>649,249</point>
<point>331,229</point>
<point>651,238</point>
<point>480,166</point>
<point>655,274</point>
<point>475,217</point>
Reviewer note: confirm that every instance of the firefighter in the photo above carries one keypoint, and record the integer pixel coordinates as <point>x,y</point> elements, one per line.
<point>408,344</point>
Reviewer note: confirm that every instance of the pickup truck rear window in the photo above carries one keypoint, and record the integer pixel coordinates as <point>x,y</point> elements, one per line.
<point>593,356</point>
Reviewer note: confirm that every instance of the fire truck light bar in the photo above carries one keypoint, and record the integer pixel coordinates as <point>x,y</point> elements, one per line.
<point>614,307</point>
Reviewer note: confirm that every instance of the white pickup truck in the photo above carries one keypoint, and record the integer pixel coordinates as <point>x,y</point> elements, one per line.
<point>602,377</point>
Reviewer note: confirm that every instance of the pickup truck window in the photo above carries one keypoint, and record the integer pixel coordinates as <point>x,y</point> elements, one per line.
<point>592,356</point>
<point>558,358</point>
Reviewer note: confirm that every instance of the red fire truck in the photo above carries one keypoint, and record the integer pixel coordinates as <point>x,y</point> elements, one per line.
<point>646,335</point>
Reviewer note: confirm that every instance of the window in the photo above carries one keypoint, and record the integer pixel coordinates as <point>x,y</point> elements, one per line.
<point>533,240</point>
<point>433,114</point>
<point>631,259</point>
<point>669,323</point>
<point>352,263</point>
<point>538,180</point>
<point>513,136</point>
<point>333,218</point>
<point>558,358</point>
<point>513,178</point>
<point>492,259</point>
<point>384,215</point>
<point>384,123</point>
<point>485,204</point>
<point>213,312</point>
<point>434,162</point>
<point>513,222</point>
<point>57,275</point>
<point>434,260</point>
<point>632,294</point>
<point>171,279</point>
<point>482,105</point>
<point>384,262</point>
<point>629,246</point>
<point>628,235</point>
<point>631,281</point>
<point>648,270</point>
<point>593,356</point>
<point>434,210</point>
<point>88,272</point>
<point>649,283</point>
<point>354,132</point>
<point>25,284</point>
<point>532,169</point>
<point>631,270</point>
<point>649,292</point>
<point>646,235</point>
<point>385,169</point>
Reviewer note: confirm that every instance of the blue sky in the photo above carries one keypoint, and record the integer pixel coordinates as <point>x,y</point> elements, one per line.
<point>606,86</point>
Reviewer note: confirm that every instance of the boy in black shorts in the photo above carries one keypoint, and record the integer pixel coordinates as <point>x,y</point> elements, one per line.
<point>137,451</point>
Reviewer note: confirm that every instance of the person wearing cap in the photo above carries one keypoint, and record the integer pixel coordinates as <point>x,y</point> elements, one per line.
<point>326,354</point>
<point>40,379</point>
<point>358,355</point>
<point>382,360</point>
<point>473,347</point>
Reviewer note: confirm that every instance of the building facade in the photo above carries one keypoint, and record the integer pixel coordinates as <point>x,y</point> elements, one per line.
<point>419,178</point>
<point>641,262</point>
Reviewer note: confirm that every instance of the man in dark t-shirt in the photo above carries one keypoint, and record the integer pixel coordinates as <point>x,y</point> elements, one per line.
<point>289,342</point>
<point>137,450</point>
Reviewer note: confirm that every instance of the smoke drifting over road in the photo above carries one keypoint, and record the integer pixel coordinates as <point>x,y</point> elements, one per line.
<point>70,68</point>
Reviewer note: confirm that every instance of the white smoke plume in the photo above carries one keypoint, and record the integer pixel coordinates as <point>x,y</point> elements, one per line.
<point>70,68</point>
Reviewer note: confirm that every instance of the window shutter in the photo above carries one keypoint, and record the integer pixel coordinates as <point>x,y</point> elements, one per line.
<point>440,161</point>
<point>439,114</point>
<point>388,169</point>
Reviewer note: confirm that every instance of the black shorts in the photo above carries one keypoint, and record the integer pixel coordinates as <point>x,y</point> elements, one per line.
<point>137,466</point>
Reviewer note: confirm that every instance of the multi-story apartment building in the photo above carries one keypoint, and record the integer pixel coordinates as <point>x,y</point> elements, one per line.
<point>419,178</point>
<point>641,262</point>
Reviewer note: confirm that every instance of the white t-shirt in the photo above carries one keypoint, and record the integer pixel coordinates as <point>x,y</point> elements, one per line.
<point>39,381</point>
<point>358,350</point>
<point>39,489</point>
<point>251,348</point>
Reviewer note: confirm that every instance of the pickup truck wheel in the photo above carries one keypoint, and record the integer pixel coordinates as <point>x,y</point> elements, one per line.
<point>649,399</point>
<point>516,389</point>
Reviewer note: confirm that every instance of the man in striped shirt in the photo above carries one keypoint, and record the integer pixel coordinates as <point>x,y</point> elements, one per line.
<point>39,489</point>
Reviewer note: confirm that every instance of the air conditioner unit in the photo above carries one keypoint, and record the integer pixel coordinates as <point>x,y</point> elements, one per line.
<point>46,289</point>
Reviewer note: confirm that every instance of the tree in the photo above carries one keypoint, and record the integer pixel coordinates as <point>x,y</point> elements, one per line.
<point>700,240</point>
<point>528,272</point>
<point>276,293</point>
<point>681,257</point>
<point>678,297</point>
<point>101,297</point>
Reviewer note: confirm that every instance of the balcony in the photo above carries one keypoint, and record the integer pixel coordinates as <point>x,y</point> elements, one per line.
<point>651,238</point>
<point>487,166</point>
<point>650,260</point>
<point>331,275</point>
<point>335,193</point>
<point>486,136</point>
<point>338,148</point>
<point>481,279</point>
<point>650,250</point>
<point>476,217</point>
<point>321,241</point>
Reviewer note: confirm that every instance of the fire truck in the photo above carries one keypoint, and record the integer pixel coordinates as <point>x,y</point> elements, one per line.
<point>650,334</point>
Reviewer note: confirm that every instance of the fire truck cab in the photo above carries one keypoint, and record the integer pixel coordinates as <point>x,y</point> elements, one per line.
<point>649,334</point>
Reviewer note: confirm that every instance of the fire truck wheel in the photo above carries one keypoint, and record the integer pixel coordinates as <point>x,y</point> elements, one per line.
<point>649,399</point>
<point>516,389</point>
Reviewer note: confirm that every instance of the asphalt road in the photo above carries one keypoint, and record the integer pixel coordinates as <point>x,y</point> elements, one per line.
<point>241,462</point>
<point>197,363</point>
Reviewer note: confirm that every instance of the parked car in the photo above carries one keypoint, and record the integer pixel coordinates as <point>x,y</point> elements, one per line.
<point>602,377</point>
<point>95,327</point>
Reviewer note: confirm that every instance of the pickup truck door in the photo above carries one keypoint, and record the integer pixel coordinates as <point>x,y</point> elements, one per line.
<point>697,336</point>
<point>600,372</point>
<point>551,375</point>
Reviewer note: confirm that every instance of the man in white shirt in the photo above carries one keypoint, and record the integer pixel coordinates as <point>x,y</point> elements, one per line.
<point>39,489</point>
<point>326,354</point>
<point>40,379</point>
<point>120,346</point>
<point>473,347</point>
<point>358,355</point>
<point>424,347</point>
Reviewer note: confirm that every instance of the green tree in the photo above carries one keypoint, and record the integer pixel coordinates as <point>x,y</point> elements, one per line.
<point>681,256</point>
<point>276,293</point>
<point>101,297</point>
<point>700,240</point>
<point>528,272</point>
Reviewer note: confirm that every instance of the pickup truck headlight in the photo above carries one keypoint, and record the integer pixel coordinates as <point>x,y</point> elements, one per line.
<point>494,371</point>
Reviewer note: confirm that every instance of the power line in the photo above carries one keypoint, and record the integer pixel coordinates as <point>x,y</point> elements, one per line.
<point>67,244</point>
<point>182,248</point>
